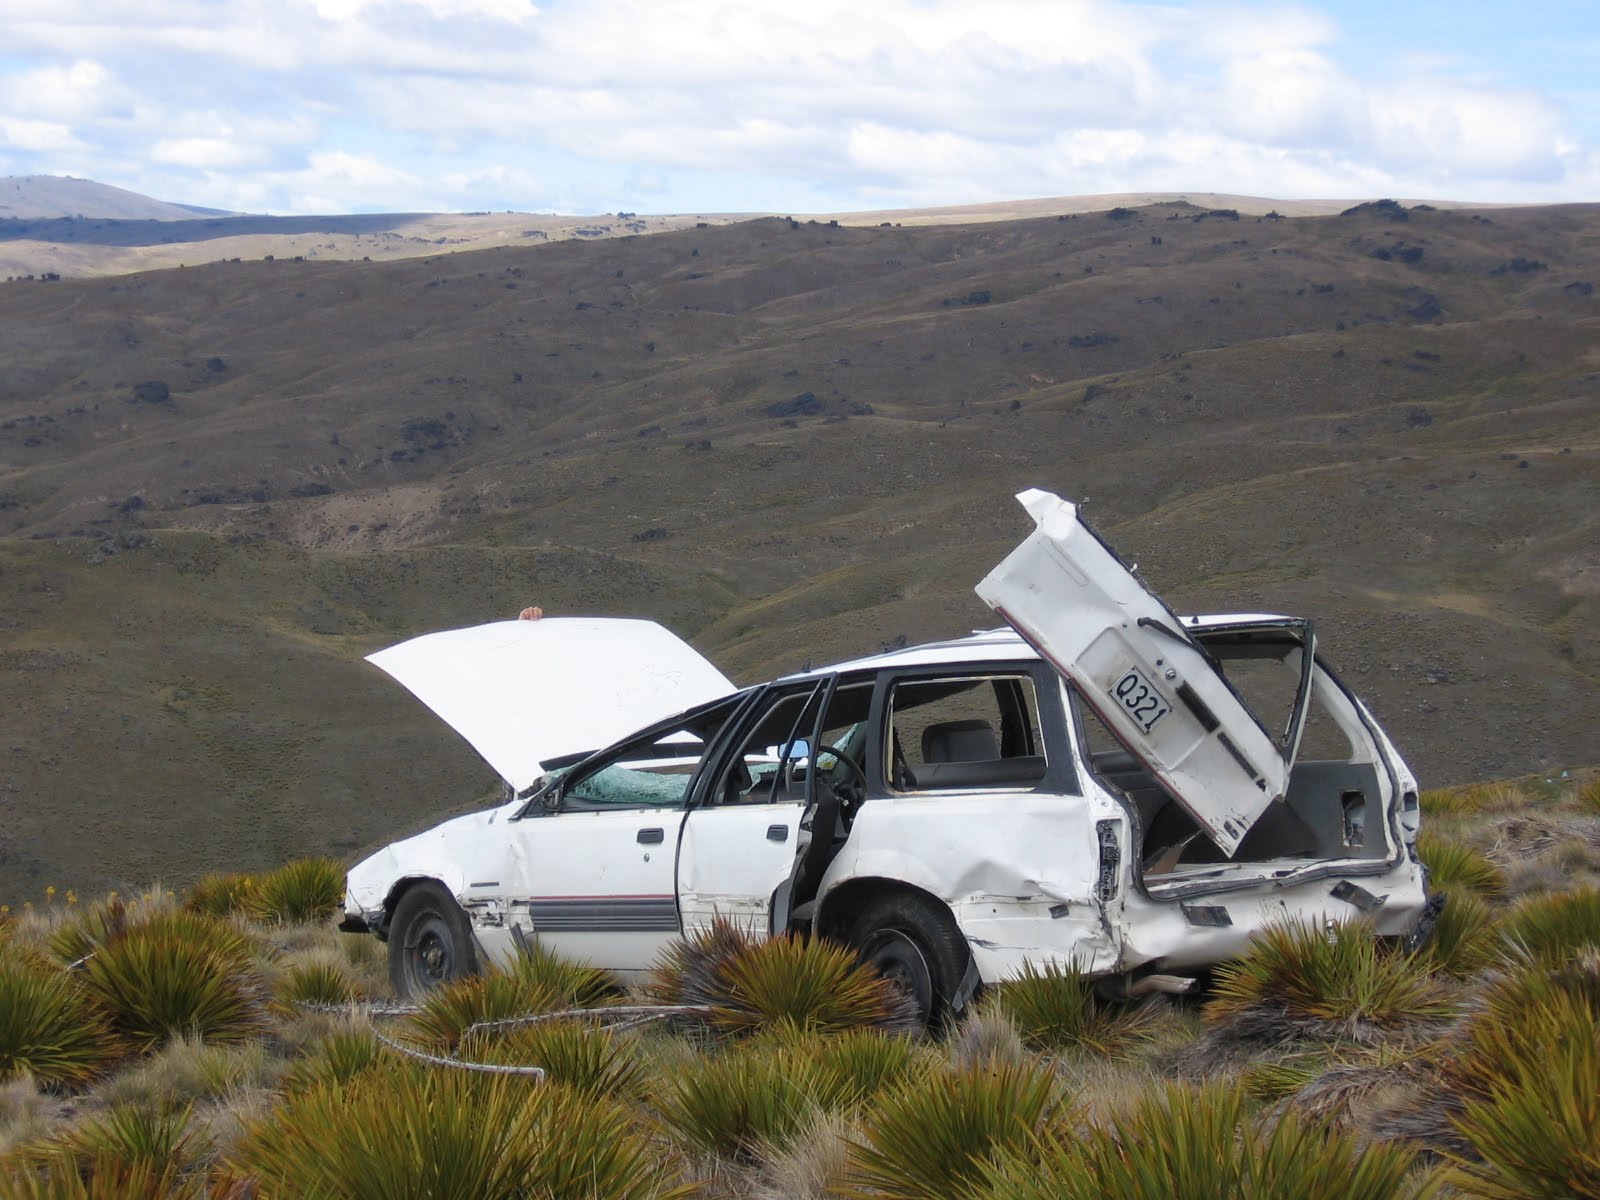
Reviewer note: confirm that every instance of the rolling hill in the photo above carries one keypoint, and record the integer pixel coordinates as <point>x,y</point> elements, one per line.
<point>790,441</point>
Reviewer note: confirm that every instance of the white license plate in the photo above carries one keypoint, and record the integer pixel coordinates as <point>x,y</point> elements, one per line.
<point>1140,699</point>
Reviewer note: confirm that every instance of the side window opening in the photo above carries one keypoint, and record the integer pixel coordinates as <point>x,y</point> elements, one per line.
<point>653,770</point>
<point>769,768</point>
<point>968,731</point>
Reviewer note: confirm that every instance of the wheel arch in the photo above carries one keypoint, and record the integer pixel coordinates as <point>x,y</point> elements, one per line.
<point>399,888</point>
<point>841,902</point>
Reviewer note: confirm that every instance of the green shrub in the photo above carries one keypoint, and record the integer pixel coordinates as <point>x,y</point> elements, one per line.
<point>221,895</point>
<point>863,1063</point>
<point>1200,1144</point>
<point>1556,927</point>
<point>402,1130</point>
<point>104,924</point>
<point>577,985</point>
<point>1519,1016</point>
<point>932,1139</point>
<point>1465,937</point>
<point>739,1102</point>
<point>307,889</point>
<point>105,1178</point>
<point>336,1059</point>
<point>316,983</point>
<point>1337,975</point>
<point>1532,1082</point>
<point>755,1096</point>
<point>50,1027</point>
<point>751,984</point>
<point>689,968</point>
<point>452,1009</point>
<point>177,974</point>
<point>573,1052</point>
<point>1453,865</point>
<point>1055,1008</point>
<point>76,937</point>
<point>132,1134</point>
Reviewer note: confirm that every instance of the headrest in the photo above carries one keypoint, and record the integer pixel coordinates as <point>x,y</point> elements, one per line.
<point>960,741</point>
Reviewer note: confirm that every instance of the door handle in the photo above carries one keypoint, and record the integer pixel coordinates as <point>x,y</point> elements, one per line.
<point>651,837</point>
<point>777,833</point>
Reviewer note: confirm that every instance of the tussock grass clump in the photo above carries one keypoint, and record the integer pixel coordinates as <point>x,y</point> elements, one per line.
<point>218,894</point>
<point>452,1009</point>
<point>50,1027</point>
<point>178,973</point>
<point>1518,1015</point>
<point>1056,1008</point>
<point>1528,1082</point>
<point>132,1135</point>
<point>1456,866</point>
<point>316,982</point>
<point>1335,976</point>
<point>404,1130</point>
<point>754,1096</point>
<point>307,889</point>
<point>105,1178</point>
<point>804,983</point>
<point>576,984</point>
<point>574,1052</point>
<point>1200,1143</point>
<point>536,981</point>
<point>78,936</point>
<point>1554,928</point>
<point>101,925</point>
<point>336,1059</point>
<point>1465,937</point>
<point>1587,796</point>
<point>736,1103</point>
<point>933,1139</point>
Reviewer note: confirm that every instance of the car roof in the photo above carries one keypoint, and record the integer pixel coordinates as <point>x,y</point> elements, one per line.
<point>997,645</point>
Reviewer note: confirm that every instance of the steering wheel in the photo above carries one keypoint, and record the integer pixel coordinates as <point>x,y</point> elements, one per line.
<point>856,778</point>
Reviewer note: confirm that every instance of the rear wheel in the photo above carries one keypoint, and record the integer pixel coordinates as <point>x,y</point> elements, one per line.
<point>913,942</point>
<point>430,941</point>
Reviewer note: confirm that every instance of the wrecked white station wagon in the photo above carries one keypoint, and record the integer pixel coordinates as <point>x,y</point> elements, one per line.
<point>1101,781</point>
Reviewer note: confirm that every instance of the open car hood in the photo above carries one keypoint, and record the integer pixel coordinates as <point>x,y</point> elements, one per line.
<point>1086,612</point>
<point>528,693</point>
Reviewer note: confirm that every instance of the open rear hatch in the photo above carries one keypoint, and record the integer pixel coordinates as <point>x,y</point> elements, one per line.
<point>527,694</point>
<point>1152,684</point>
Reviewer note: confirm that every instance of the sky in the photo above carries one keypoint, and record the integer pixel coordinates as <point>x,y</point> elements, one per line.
<point>711,106</point>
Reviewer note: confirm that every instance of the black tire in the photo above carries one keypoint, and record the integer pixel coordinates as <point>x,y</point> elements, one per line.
<point>430,941</point>
<point>913,941</point>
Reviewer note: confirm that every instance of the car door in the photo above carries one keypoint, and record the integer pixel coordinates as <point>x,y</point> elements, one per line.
<point>1088,615</point>
<point>739,838</point>
<point>590,864</point>
<point>975,799</point>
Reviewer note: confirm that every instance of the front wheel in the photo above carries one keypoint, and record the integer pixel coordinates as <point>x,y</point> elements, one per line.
<point>913,942</point>
<point>430,941</point>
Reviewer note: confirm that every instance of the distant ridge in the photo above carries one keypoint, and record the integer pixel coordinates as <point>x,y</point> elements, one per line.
<point>42,197</point>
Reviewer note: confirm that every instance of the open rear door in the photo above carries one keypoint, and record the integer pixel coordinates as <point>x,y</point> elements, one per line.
<point>1088,615</point>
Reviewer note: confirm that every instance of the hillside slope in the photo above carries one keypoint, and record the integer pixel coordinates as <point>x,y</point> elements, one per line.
<point>32,197</point>
<point>220,486</point>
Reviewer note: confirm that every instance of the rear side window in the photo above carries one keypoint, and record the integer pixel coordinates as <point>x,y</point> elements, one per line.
<point>963,732</point>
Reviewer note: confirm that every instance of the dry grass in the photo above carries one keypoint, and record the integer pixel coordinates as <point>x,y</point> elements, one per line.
<point>1587,796</point>
<point>188,1070</point>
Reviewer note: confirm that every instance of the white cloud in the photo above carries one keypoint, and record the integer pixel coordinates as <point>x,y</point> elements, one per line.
<point>20,134</point>
<point>296,102</point>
